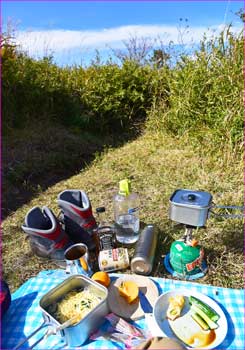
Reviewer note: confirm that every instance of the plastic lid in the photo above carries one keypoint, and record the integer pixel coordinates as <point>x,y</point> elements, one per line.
<point>124,187</point>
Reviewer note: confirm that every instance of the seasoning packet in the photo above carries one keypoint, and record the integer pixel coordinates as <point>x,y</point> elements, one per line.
<point>122,331</point>
<point>125,327</point>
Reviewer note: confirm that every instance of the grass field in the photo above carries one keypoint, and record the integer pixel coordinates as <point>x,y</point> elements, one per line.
<point>157,165</point>
<point>164,127</point>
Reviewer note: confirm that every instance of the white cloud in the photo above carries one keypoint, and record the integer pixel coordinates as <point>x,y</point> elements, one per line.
<point>39,43</point>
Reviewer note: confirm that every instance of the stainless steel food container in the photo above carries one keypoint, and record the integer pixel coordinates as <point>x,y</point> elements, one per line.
<point>77,334</point>
<point>190,207</point>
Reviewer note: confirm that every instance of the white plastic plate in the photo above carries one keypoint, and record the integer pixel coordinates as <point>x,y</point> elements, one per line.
<point>161,306</point>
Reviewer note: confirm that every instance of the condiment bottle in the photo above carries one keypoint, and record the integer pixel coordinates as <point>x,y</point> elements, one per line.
<point>126,214</point>
<point>104,232</point>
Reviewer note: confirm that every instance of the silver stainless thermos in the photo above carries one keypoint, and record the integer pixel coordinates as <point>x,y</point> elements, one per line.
<point>142,261</point>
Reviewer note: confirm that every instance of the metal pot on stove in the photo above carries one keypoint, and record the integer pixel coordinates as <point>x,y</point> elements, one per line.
<point>194,207</point>
<point>190,207</point>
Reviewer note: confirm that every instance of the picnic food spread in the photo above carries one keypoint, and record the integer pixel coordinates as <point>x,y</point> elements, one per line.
<point>88,250</point>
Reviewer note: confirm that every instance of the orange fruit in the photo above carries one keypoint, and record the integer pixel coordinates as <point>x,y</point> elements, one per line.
<point>129,291</point>
<point>102,277</point>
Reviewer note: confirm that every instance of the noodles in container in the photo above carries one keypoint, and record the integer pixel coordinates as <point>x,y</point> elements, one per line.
<point>75,305</point>
<point>78,299</point>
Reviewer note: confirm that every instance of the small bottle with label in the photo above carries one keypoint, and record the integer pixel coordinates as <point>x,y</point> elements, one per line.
<point>126,214</point>
<point>105,238</point>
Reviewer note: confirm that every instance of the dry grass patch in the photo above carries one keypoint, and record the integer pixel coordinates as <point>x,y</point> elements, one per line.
<point>157,165</point>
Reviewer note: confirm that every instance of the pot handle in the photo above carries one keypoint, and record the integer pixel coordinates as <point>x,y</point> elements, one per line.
<point>44,324</point>
<point>227,216</point>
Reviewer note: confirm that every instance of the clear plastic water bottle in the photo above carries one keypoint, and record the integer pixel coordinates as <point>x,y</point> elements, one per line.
<point>126,214</point>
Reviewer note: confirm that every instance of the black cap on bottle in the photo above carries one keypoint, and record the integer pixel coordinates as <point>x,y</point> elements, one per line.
<point>100,210</point>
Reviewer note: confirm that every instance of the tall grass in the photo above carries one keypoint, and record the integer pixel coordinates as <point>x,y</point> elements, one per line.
<point>200,95</point>
<point>100,98</point>
<point>206,93</point>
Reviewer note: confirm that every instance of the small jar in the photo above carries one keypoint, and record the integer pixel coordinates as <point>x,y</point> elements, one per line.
<point>104,234</point>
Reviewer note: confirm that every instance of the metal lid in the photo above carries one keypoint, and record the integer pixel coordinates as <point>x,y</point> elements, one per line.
<point>199,199</point>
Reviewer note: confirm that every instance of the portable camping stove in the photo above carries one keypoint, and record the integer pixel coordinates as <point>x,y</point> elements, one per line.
<point>186,257</point>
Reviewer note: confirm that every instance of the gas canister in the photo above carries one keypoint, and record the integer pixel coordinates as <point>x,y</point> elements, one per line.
<point>186,259</point>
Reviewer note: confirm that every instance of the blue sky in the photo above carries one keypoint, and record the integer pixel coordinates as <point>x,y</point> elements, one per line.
<point>73,30</point>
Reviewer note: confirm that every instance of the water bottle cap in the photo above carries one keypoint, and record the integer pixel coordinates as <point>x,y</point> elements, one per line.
<point>124,187</point>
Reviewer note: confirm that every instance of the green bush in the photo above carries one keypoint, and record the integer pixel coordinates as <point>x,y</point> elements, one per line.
<point>200,93</point>
<point>102,98</point>
<point>35,90</point>
<point>117,96</point>
<point>206,92</point>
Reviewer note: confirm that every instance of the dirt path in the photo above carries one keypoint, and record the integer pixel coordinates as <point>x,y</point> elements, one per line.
<point>35,159</point>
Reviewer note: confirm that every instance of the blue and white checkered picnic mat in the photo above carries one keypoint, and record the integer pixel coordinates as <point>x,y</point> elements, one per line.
<point>24,315</point>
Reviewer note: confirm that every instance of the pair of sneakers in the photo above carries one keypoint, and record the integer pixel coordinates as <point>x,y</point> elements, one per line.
<point>51,236</point>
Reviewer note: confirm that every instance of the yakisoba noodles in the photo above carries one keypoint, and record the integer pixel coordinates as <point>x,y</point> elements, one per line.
<point>76,304</point>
